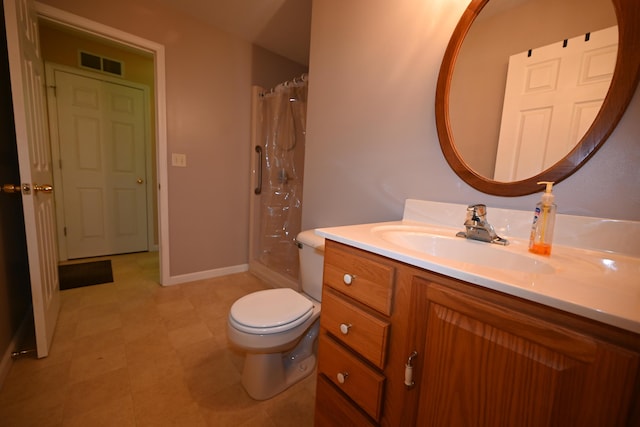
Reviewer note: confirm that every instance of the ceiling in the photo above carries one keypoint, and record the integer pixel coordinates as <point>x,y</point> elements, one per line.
<point>280,26</point>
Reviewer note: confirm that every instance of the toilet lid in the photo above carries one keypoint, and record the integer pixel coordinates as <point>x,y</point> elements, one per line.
<point>270,311</point>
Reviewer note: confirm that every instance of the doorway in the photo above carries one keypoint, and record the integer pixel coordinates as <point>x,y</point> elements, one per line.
<point>90,29</point>
<point>100,140</point>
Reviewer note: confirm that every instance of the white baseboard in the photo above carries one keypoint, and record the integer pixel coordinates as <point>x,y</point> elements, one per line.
<point>6,362</point>
<point>209,274</point>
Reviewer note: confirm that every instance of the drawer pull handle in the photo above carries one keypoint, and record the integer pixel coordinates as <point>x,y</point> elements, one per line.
<point>408,371</point>
<point>342,377</point>
<point>348,279</point>
<point>344,328</point>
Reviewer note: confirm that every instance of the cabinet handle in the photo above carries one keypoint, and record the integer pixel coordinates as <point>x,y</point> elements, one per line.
<point>342,377</point>
<point>408,371</point>
<point>344,328</point>
<point>348,279</point>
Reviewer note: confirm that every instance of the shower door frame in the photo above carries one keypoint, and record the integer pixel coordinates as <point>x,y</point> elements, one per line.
<point>256,267</point>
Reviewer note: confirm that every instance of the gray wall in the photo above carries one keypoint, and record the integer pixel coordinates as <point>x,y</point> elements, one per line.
<point>371,134</point>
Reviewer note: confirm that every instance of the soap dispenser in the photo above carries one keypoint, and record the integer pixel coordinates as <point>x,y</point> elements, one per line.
<point>544,219</point>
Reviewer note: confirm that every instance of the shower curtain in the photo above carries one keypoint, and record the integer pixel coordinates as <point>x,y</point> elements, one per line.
<point>279,139</point>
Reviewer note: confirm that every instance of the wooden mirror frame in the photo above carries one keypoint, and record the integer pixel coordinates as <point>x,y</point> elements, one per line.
<point>623,86</point>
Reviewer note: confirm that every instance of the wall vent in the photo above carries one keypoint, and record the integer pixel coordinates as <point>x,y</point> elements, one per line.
<point>99,63</point>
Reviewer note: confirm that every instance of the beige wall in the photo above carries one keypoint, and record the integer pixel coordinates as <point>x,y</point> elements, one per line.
<point>62,46</point>
<point>371,134</point>
<point>209,77</point>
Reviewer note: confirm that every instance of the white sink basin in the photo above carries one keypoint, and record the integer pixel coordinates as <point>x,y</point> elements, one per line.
<point>592,272</point>
<point>430,242</point>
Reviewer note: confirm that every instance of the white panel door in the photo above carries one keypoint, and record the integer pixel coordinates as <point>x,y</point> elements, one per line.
<point>101,131</point>
<point>34,157</point>
<point>552,96</point>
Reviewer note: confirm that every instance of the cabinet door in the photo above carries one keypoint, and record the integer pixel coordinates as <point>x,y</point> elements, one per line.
<point>486,364</point>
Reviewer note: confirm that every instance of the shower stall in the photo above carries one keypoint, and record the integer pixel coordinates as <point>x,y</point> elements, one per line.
<point>277,145</point>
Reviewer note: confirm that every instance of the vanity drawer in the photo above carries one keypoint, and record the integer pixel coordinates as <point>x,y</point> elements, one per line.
<point>334,409</point>
<point>359,275</point>
<point>361,383</point>
<point>362,331</point>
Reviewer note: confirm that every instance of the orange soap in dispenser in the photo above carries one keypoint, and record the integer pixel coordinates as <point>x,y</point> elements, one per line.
<point>544,219</point>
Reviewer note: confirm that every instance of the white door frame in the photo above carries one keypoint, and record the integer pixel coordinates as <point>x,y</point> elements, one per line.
<point>50,69</point>
<point>95,28</point>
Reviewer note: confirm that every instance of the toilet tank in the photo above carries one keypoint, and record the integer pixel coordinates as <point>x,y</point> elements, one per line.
<point>311,255</point>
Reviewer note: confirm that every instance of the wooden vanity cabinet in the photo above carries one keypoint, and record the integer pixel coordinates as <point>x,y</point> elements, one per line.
<point>489,359</point>
<point>362,335</point>
<point>484,358</point>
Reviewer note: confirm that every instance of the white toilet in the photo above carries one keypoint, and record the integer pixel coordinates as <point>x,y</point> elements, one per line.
<point>278,328</point>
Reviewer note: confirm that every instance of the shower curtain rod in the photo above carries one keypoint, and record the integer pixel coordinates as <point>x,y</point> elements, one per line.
<point>295,81</point>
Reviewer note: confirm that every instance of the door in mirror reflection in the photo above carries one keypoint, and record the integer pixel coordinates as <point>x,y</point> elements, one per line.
<point>553,93</point>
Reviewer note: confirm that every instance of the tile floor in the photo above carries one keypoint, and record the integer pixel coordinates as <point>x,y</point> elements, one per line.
<point>133,353</point>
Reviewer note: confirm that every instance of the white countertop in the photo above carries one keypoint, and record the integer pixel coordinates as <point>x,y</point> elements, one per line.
<point>602,285</point>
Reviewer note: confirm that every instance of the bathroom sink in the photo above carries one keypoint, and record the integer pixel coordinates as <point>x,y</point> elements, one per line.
<point>592,272</point>
<point>439,244</point>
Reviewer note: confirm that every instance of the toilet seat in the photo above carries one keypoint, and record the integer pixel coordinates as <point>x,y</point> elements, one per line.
<point>270,311</point>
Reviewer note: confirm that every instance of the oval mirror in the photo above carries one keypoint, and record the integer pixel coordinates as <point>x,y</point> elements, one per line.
<point>469,115</point>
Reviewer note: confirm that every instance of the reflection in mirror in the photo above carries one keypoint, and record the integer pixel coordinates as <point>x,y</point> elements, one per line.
<point>470,105</point>
<point>552,96</point>
<point>512,28</point>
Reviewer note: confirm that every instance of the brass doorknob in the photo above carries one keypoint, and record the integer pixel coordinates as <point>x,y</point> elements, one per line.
<point>45,188</point>
<point>139,180</point>
<point>10,188</point>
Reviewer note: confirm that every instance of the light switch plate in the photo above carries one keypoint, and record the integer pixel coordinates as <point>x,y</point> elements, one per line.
<point>179,160</point>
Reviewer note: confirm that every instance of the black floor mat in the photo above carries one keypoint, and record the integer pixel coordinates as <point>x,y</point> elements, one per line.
<point>85,274</point>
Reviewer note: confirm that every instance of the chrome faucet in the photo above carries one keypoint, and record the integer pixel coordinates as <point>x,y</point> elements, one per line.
<point>477,227</point>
